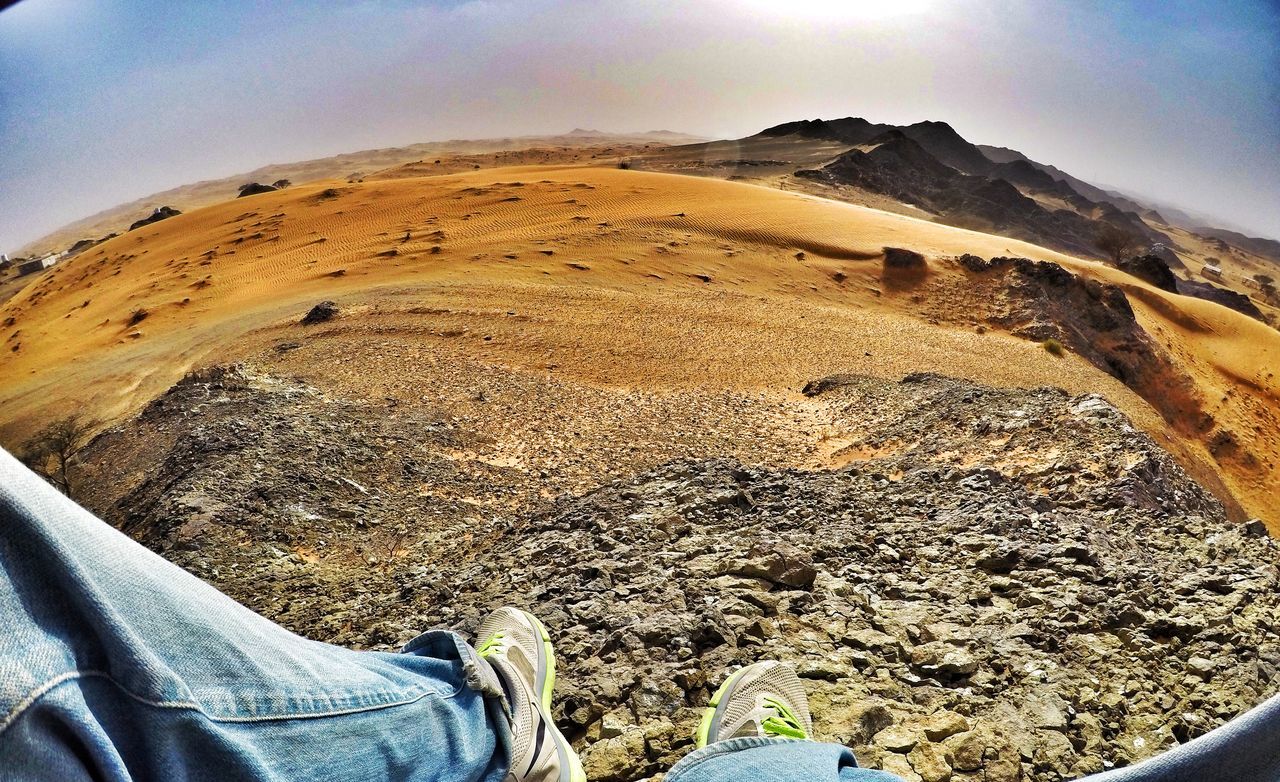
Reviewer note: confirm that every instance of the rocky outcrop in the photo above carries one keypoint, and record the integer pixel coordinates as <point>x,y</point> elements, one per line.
<point>896,165</point>
<point>1042,301</point>
<point>324,311</point>
<point>254,188</point>
<point>1150,268</point>
<point>161,213</point>
<point>1224,296</point>
<point>999,584</point>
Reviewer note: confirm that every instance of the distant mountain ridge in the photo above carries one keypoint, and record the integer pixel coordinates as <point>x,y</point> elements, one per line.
<point>931,166</point>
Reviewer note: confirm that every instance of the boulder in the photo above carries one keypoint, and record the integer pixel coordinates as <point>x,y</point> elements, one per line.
<point>779,563</point>
<point>161,213</point>
<point>1150,268</point>
<point>253,188</point>
<point>324,311</point>
<point>900,260</point>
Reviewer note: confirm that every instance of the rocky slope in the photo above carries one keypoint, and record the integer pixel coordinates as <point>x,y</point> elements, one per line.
<point>896,164</point>
<point>994,585</point>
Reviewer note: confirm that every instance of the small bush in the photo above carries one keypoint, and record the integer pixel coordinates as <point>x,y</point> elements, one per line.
<point>624,164</point>
<point>1054,347</point>
<point>138,316</point>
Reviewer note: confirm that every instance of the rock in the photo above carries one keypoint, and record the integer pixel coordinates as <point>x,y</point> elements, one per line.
<point>160,213</point>
<point>324,311</point>
<point>943,724</point>
<point>1124,569</point>
<point>938,657</point>
<point>1055,753</point>
<point>1046,712</point>
<point>254,188</point>
<point>897,738</point>
<point>1150,268</point>
<point>616,758</point>
<point>882,644</point>
<point>1202,667</point>
<point>898,260</point>
<point>965,751</point>
<point>778,562</point>
<point>900,767</point>
<point>1000,560</point>
<point>865,719</point>
<point>928,761</point>
<point>1255,528</point>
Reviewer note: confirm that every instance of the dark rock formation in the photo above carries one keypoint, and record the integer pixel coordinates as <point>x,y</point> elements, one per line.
<point>1227,298</point>
<point>254,188</point>
<point>1150,268</point>
<point>324,311</point>
<point>899,260</point>
<point>1042,301</point>
<point>896,165</point>
<point>162,213</point>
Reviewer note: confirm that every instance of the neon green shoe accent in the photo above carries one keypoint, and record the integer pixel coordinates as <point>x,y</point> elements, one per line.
<point>491,645</point>
<point>550,683</point>
<point>709,713</point>
<point>786,725</point>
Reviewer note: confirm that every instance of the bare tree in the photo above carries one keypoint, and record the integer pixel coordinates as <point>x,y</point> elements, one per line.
<point>50,450</point>
<point>1116,242</point>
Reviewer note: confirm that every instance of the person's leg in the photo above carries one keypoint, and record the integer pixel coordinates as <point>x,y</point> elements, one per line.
<point>758,727</point>
<point>116,664</point>
<point>1246,749</point>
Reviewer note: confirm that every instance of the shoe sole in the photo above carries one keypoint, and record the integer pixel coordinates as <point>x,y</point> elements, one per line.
<point>711,715</point>
<point>545,683</point>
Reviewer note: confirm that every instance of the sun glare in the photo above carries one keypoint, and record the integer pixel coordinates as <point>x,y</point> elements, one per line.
<point>836,10</point>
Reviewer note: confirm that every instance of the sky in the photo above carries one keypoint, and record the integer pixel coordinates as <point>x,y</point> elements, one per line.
<point>106,101</point>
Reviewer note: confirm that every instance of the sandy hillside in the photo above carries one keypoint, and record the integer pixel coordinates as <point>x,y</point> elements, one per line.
<point>603,277</point>
<point>435,157</point>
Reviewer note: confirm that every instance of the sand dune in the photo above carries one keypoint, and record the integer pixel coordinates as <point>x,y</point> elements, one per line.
<point>615,278</point>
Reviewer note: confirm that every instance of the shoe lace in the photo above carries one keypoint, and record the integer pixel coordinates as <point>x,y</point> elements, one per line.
<point>783,723</point>
<point>492,645</point>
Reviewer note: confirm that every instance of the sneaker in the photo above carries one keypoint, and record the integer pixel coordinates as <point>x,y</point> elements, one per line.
<point>518,647</point>
<point>764,699</point>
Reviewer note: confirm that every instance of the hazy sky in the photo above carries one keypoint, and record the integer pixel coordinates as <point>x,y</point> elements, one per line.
<point>104,101</point>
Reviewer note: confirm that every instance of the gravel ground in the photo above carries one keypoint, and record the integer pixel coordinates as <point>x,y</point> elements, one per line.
<point>974,583</point>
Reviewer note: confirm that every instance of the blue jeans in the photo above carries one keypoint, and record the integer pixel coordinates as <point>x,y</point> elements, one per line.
<point>117,665</point>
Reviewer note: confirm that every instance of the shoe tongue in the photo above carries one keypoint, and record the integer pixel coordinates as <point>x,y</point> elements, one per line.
<point>506,677</point>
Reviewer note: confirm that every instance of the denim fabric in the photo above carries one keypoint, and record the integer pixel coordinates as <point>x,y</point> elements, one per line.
<point>773,760</point>
<point>117,665</point>
<point>1246,749</point>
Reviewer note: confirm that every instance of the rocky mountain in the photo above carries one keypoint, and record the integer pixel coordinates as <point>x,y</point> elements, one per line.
<point>895,164</point>
<point>997,585</point>
<point>1268,248</point>
<point>1079,186</point>
<point>929,165</point>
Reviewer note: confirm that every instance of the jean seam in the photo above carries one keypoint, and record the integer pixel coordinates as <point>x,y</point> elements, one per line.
<point>35,695</point>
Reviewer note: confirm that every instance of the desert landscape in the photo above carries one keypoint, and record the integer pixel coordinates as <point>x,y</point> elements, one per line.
<point>987,450</point>
<point>341,386</point>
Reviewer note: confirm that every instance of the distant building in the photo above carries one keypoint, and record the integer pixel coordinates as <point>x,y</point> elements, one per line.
<point>37,264</point>
<point>1212,271</point>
